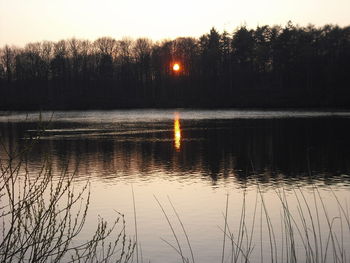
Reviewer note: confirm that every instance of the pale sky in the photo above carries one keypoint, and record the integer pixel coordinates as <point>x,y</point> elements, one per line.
<point>24,21</point>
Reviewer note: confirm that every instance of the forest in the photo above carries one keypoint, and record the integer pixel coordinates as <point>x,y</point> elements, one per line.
<point>267,67</point>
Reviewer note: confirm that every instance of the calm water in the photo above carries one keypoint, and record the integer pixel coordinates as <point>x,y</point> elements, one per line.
<point>195,158</point>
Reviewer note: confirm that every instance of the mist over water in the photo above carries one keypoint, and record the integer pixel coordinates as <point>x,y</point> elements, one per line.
<point>193,157</point>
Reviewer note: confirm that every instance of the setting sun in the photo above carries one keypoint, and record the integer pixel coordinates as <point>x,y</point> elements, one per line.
<point>176,67</point>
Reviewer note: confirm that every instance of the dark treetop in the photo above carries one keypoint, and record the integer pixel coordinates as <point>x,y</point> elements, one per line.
<point>268,66</point>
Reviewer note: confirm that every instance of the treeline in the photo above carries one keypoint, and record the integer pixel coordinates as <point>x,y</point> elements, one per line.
<point>270,66</point>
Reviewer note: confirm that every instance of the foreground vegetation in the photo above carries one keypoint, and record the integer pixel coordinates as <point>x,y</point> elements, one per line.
<point>270,66</point>
<point>306,231</point>
<point>42,216</point>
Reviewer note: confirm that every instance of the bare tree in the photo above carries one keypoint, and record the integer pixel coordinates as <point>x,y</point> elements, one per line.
<point>7,58</point>
<point>106,45</point>
<point>142,51</point>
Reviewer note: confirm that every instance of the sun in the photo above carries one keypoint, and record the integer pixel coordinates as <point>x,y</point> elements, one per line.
<point>176,67</point>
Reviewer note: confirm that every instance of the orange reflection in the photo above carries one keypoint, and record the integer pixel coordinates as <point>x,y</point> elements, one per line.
<point>177,132</point>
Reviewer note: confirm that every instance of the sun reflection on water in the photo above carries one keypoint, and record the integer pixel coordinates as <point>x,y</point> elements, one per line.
<point>177,132</point>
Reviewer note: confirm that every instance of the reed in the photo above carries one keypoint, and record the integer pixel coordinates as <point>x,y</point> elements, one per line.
<point>307,231</point>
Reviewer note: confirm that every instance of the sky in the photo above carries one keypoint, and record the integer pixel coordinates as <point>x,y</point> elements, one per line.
<point>24,21</point>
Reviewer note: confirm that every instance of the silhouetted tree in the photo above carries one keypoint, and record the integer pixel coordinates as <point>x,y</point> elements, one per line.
<point>142,52</point>
<point>8,61</point>
<point>270,66</point>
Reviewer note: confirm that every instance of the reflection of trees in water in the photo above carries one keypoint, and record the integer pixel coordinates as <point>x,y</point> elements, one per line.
<point>269,151</point>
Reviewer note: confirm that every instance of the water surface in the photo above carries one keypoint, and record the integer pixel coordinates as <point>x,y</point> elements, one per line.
<point>193,157</point>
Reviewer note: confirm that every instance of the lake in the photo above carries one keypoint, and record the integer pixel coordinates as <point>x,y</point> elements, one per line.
<point>199,159</point>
